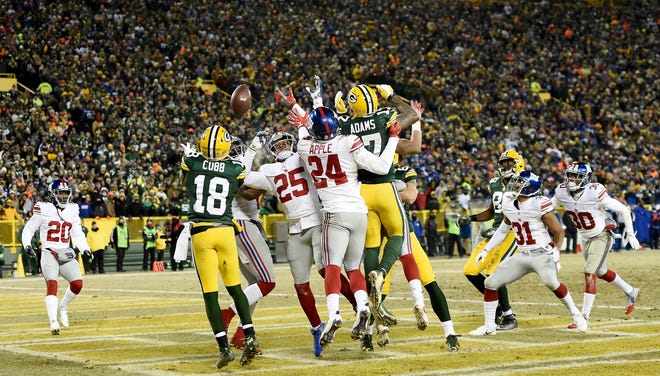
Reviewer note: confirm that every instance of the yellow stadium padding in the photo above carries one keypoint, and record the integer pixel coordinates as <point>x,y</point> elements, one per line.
<point>80,263</point>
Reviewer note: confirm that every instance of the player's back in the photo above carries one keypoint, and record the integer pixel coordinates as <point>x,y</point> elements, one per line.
<point>372,129</point>
<point>334,172</point>
<point>211,186</point>
<point>526,222</point>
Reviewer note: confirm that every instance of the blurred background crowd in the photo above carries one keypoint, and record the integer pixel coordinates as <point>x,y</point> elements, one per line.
<point>116,88</point>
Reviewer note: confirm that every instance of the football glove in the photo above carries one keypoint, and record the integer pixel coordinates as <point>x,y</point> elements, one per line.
<point>340,105</point>
<point>488,233</point>
<point>395,128</point>
<point>30,252</point>
<point>556,254</point>
<point>87,253</point>
<point>189,150</point>
<point>316,92</point>
<point>259,140</point>
<point>385,91</point>
<point>481,257</point>
<point>296,120</point>
<point>286,100</point>
<point>463,220</point>
<point>632,240</point>
<point>417,107</point>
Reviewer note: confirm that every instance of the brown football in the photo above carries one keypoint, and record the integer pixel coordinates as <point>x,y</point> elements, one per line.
<point>241,99</point>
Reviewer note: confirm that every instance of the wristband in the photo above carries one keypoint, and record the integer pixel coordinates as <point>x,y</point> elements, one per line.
<point>417,126</point>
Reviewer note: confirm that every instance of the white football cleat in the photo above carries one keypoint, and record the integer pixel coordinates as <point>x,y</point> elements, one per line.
<point>421,317</point>
<point>580,322</point>
<point>63,313</point>
<point>54,328</point>
<point>484,331</point>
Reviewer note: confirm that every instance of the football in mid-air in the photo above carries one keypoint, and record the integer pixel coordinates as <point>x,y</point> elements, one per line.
<point>241,99</point>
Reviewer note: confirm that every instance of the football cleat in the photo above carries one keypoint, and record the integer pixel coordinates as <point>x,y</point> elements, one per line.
<point>382,335</point>
<point>421,317</point>
<point>328,334</point>
<point>385,316</point>
<point>573,325</point>
<point>498,314</point>
<point>580,322</point>
<point>250,350</point>
<point>238,339</point>
<point>360,326</point>
<point>631,299</point>
<point>316,333</point>
<point>376,280</point>
<point>484,331</point>
<point>452,343</point>
<point>54,328</point>
<point>63,313</point>
<point>508,322</point>
<point>367,344</point>
<point>225,357</point>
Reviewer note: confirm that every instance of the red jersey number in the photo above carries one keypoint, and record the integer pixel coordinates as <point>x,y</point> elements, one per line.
<point>523,233</point>
<point>291,184</point>
<point>332,171</point>
<point>59,232</point>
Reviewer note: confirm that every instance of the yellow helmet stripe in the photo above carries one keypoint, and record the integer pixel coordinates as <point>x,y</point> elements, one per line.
<point>367,99</point>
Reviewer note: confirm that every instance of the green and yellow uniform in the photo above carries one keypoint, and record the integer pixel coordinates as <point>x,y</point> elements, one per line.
<point>508,247</point>
<point>378,191</point>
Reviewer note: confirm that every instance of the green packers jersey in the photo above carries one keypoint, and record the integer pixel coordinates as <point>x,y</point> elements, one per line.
<point>373,130</point>
<point>211,186</point>
<point>497,189</point>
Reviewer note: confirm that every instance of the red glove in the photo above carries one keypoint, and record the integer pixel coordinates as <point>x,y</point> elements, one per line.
<point>417,107</point>
<point>288,100</point>
<point>395,128</point>
<point>296,120</point>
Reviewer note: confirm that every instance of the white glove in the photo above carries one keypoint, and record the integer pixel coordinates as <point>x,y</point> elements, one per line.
<point>259,140</point>
<point>87,253</point>
<point>189,150</point>
<point>316,92</point>
<point>385,91</point>
<point>340,105</point>
<point>632,240</point>
<point>481,257</point>
<point>556,253</point>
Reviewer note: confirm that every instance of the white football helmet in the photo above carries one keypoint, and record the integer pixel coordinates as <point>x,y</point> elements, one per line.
<point>282,145</point>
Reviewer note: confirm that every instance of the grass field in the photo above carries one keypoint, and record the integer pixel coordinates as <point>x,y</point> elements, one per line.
<point>154,324</point>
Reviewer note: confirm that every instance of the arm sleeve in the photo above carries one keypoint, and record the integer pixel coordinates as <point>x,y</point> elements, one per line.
<point>498,236</point>
<point>30,228</point>
<point>257,180</point>
<point>622,211</point>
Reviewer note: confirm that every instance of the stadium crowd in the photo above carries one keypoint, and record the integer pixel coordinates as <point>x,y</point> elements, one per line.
<point>124,93</point>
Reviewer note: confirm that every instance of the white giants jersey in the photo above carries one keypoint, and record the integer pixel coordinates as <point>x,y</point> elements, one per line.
<point>56,227</point>
<point>333,168</point>
<point>245,210</point>
<point>586,211</point>
<point>293,186</point>
<point>526,221</point>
